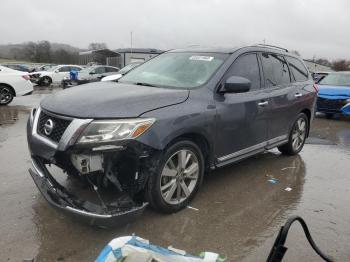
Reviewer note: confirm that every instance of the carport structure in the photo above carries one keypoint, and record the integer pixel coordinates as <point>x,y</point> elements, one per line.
<point>101,56</point>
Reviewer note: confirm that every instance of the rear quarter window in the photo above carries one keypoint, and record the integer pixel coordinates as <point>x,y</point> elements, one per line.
<point>297,69</point>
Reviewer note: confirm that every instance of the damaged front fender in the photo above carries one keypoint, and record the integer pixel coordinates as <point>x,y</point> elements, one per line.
<point>119,213</point>
<point>346,109</point>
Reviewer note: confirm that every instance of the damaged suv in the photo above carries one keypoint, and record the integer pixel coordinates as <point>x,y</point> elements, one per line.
<point>151,136</point>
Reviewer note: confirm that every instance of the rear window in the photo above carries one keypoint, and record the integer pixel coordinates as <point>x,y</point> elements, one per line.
<point>298,69</point>
<point>275,69</point>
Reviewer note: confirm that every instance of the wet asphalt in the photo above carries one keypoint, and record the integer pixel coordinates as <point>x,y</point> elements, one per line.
<point>237,212</point>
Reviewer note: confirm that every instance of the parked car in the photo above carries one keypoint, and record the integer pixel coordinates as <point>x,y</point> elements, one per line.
<point>95,73</point>
<point>43,67</point>
<point>334,94</point>
<point>17,67</point>
<point>121,72</point>
<point>152,135</point>
<point>13,83</point>
<point>53,75</point>
<point>318,76</point>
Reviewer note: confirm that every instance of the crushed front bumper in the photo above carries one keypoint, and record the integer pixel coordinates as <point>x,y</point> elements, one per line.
<point>85,211</point>
<point>330,105</point>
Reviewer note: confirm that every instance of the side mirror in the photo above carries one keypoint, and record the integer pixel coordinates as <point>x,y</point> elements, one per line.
<point>236,84</point>
<point>92,73</point>
<point>57,71</point>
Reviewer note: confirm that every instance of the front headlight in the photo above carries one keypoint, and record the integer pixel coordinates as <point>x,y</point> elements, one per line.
<point>112,130</point>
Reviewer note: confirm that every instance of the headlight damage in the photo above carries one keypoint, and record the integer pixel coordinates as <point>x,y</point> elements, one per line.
<point>114,130</point>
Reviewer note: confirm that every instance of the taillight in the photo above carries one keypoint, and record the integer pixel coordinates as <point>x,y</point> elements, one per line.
<point>26,77</point>
<point>316,88</point>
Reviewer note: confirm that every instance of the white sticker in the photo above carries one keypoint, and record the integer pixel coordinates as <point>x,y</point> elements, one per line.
<point>201,58</point>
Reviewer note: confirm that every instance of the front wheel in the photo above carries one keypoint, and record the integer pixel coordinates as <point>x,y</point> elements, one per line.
<point>6,95</point>
<point>177,178</point>
<point>297,136</point>
<point>45,81</point>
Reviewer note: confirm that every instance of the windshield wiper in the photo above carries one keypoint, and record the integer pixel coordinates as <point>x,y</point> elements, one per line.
<point>144,84</point>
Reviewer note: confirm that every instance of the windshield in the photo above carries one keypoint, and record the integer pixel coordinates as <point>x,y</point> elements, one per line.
<point>127,68</point>
<point>176,70</point>
<point>336,80</point>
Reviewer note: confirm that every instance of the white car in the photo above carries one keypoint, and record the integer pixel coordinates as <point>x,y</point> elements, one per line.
<point>54,75</point>
<point>13,83</point>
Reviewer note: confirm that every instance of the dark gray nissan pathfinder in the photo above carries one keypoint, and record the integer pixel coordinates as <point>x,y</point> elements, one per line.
<point>150,137</point>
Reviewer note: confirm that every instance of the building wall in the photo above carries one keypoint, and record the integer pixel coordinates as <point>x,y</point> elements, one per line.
<point>128,58</point>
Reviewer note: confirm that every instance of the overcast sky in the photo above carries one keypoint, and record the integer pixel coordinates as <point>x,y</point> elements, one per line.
<point>313,27</point>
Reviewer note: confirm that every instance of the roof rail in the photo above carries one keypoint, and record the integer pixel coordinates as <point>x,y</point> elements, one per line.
<point>272,46</point>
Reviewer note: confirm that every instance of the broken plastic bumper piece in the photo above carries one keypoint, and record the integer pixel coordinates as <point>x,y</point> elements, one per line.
<point>86,211</point>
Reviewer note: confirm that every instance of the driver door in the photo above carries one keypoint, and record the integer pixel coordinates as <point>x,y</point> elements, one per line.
<point>242,117</point>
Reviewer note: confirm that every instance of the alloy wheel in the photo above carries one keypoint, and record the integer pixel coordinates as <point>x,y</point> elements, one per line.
<point>299,134</point>
<point>5,95</point>
<point>179,177</point>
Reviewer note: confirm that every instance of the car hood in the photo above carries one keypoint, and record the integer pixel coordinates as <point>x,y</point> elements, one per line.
<point>111,100</point>
<point>334,92</point>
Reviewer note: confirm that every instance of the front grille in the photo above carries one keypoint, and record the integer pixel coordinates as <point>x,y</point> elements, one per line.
<point>59,126</point>
<point>327,104</point>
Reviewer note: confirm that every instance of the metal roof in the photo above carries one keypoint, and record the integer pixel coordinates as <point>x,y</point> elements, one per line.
<point>139,50</point>
<point>105,52</point>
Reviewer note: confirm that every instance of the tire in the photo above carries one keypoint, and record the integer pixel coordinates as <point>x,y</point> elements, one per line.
<point>6,95</point>
<point>297,136</point>
<point>45,81</point>
<point>169,188</point>
<point>329,115</point>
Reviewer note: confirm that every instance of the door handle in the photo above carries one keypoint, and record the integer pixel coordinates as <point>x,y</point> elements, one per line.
<point>298,95</point>
<point>263,103</point>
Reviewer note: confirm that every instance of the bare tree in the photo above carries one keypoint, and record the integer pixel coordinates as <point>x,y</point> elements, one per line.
<point>341,65</point>
<point>97,46</point>
<point>295,52</point>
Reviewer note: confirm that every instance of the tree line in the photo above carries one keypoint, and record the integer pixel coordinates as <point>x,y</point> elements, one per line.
<point>45,52</point>
<point>42,52</point>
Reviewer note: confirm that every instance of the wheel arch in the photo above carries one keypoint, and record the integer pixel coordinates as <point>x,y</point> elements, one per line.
<point>12,89</point>
<point>200,140</point>
<point>307,112</point>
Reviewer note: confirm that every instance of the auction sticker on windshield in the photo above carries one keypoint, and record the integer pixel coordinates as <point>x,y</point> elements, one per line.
<point>201,58</point>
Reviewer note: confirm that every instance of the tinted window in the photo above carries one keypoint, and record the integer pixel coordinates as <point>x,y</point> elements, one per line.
<point>246,66</point>
<point>275,69</point>
<point>298,69</point>
<point>100,70</point>
<point>111,69</point>
<point>64,69</point>
<point>75,68</point>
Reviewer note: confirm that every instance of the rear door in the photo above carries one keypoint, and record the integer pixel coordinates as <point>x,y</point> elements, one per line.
<point>279,86</point>
<point>241,117</point>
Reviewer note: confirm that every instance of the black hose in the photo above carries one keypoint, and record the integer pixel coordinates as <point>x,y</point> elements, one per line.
<point>278,250</point>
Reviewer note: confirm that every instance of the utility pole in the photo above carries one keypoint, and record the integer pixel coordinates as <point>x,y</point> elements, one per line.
<point>131,43</point>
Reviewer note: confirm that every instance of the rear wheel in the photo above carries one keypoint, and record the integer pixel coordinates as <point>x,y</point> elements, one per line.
<point>297,136</point>
<point>45,81</point>
<point>6,95</point>
<point>178,177</point>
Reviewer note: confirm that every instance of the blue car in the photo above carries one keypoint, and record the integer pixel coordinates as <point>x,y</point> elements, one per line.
<point>334,94</point>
